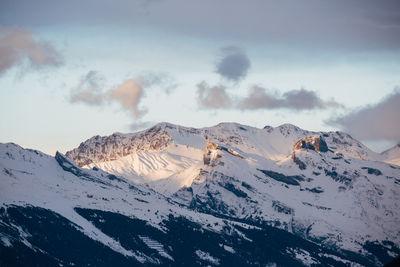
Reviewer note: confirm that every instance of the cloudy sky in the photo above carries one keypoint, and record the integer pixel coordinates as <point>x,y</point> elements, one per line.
<point>73,69</point>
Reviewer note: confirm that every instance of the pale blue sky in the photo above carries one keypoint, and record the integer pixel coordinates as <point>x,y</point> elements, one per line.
<point>350,57</point>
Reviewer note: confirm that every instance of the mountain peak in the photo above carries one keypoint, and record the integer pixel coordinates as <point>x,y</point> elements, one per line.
<point>289,126</point>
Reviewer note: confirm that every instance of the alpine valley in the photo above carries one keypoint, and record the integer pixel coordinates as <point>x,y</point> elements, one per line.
<point>228,195</point>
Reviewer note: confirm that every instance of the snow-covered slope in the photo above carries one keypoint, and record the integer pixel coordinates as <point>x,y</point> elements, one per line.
<point>53,213</point>
<point>335,191</point>
<point>31,178</point>
<point>322,187</point>
<point>166,170</point>
<point>392,155</point>
<point>336,200</point>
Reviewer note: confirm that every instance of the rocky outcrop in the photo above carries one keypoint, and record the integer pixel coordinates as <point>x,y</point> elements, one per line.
<point>338,154</point>
<point>372,171</point>
<point>108,148</point>
<point>210,153</point>
<point>316,143</point>
<point>301,164</point>
<point>290,180</point>
<point>211,147</point>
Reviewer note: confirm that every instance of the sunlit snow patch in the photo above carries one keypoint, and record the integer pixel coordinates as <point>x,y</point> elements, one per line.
<point>229,249</point>
<point>153,244</point>
<point>336,258</point>
<point>302,256</point>
<point>205,256</point>
<point>5,241</point>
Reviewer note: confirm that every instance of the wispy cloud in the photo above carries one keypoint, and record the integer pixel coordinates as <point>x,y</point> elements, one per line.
<point>233,63</point>
<point>163,79</point>
<point>214,97</point>
<point>18,46</point>
<point>89,89</point>
<point>128,94</point>
<point>379,121</point>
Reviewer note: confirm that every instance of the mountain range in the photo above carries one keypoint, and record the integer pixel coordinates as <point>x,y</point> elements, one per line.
<point>226,195</point>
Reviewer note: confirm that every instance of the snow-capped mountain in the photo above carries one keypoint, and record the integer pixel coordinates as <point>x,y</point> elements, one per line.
<point>169,156</point>
<point>310,198</point>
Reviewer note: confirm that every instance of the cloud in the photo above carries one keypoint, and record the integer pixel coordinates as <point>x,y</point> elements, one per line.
<point>129,94</point>
<point>233,64</point>
<point>19,45</point>
<point>217,97</point>
<point>259,99</point>
<point>301,99</point>
<point>214,97</point>
<point>89,90</point>
<point>162,79</point>
<point>380,121</point>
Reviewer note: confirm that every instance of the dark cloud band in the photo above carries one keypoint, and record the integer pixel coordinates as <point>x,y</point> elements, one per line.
<point>341,24</point>
<point>376,122</point>
<point>217,97</point>
<point>301,99</point>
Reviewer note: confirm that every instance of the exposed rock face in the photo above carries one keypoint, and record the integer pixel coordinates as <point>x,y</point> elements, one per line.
<point>302,165</point>
<point>338,154</point>
<point>372,171</point>
<point>211,145</point>
<point>107,148</point>
<point>316,143</point>
<point>290,180</point>
<point>208,155</point>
